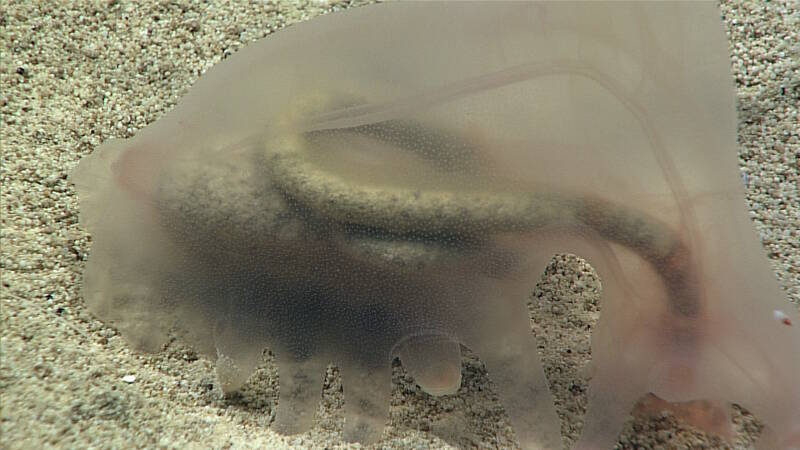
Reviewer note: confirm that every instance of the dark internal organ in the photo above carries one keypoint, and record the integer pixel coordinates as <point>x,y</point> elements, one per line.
<point>466,217</point>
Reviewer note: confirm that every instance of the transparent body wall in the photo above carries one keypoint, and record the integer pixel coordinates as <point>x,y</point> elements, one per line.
<point>392,180</point>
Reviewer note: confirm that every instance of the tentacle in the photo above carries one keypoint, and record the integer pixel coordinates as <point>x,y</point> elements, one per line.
<point>366,401</point>
<point>434,362</point>
<point>300,389</point>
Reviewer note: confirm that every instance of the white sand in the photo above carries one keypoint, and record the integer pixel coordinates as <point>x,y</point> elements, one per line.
<point>73,74</point>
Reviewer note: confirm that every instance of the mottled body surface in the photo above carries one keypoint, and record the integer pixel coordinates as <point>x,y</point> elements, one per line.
<point>234,292</point>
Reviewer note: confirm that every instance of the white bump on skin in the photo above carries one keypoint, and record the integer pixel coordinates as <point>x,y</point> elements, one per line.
<point>781,317</point>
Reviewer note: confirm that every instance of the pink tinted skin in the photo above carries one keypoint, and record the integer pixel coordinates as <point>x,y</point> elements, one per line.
<point>593,129</point>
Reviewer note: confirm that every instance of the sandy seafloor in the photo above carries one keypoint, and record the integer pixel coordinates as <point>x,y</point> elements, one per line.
<point>73,74</point>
